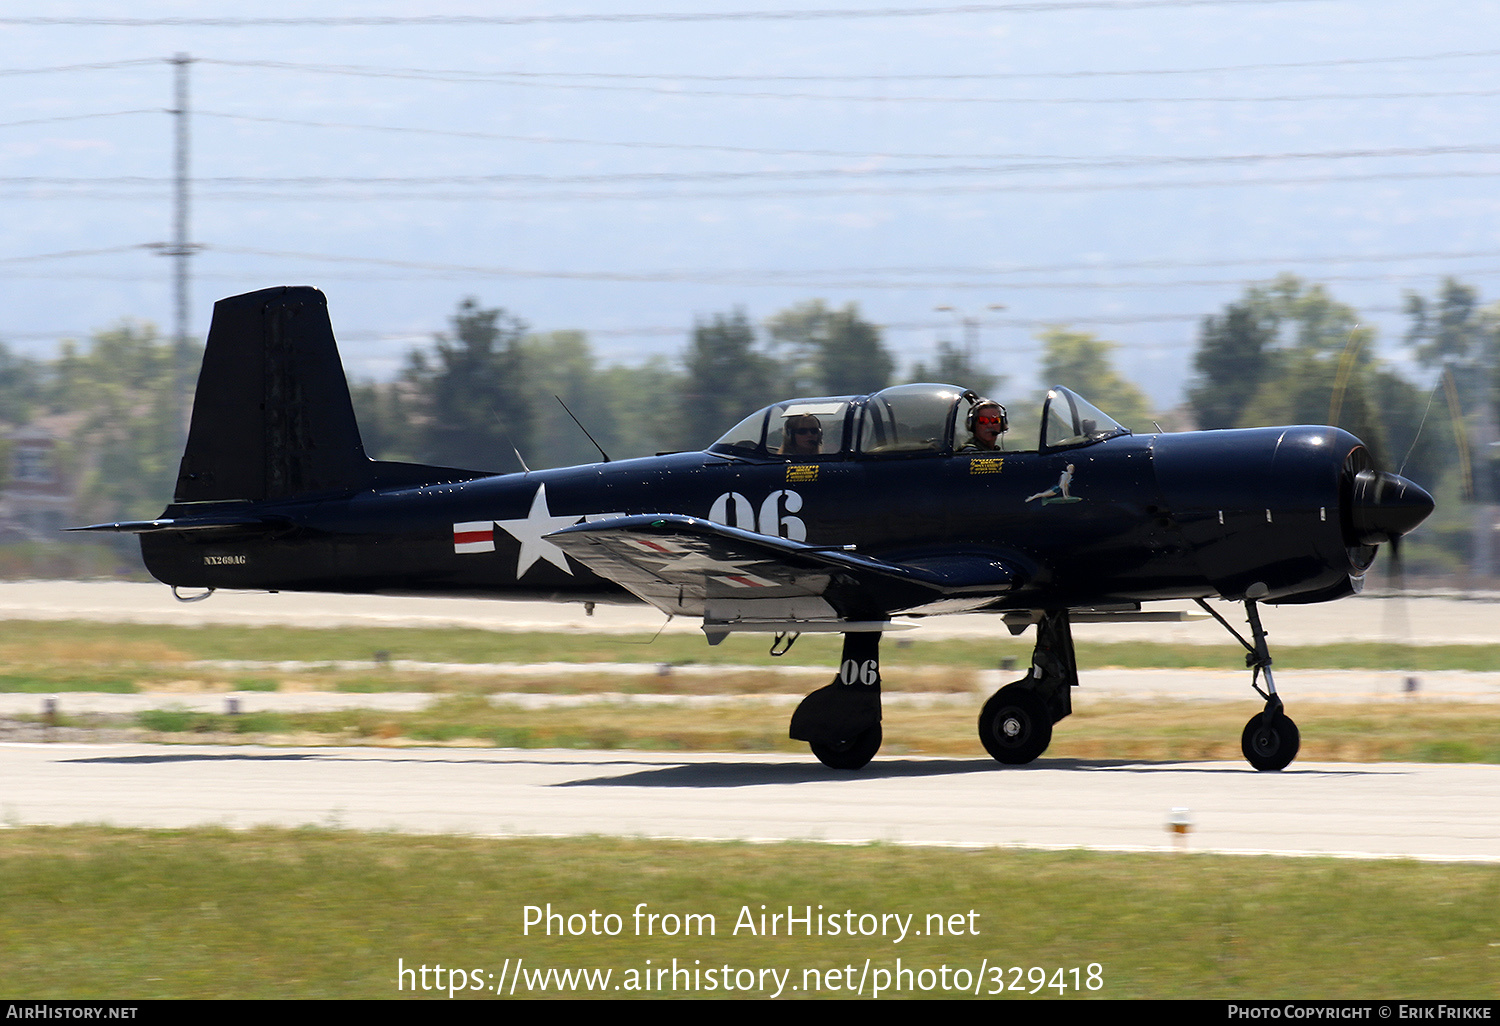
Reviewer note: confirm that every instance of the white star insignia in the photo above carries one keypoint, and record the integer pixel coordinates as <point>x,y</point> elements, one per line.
<point>529,533</point>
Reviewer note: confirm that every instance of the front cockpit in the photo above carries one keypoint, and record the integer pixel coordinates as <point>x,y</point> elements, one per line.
<point>904,421</point>
<point>1070,420</point>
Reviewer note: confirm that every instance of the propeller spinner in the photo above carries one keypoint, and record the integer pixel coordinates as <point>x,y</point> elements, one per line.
<point>1384,506</point>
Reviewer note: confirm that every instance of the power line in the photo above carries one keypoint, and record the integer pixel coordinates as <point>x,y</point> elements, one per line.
<point>97,66</point>
<point>469,75</point>
<point>798,275</point>
<point>441,20</point>
<point>886,98</point>
<point>80,117</point>
<point>565,140</point>
<point>69,253</point>
<point>779,279</point>
<point>844,192</point>
<point>534,80</point>
<point>412,271</point>
<point>1080,164</point>
<point>1042,162</point>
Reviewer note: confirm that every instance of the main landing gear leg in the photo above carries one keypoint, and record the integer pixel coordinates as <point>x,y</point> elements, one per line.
<point>842,720</point>
<point>1271,739</point>
<point>1015,725</point>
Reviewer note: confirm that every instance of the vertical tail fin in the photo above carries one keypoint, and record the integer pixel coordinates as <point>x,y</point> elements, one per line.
<point>272,416</point>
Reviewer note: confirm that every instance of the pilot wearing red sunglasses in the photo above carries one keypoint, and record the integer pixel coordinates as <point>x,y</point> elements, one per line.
<point>986,423</point>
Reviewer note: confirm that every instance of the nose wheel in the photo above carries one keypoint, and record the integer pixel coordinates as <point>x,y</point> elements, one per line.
<point>1270,740</point>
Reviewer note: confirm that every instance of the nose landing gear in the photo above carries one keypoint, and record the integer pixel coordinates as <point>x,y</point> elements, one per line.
<point>1270,740</point>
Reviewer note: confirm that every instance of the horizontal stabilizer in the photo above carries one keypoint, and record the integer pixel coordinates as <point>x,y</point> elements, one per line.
<point>204,522</point>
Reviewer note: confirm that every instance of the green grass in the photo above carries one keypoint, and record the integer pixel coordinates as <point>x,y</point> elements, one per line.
<point>48,680</point>
<point>172,721</point>
<point>148,645</point>
<point>127,915</point>
<point>1156,731</point>
<point>62,657</point>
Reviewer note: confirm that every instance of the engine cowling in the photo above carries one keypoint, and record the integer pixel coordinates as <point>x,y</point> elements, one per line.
<point>1299,510</point>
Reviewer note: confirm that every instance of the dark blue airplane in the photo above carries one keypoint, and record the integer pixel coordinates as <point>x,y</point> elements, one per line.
<point>827,514</point>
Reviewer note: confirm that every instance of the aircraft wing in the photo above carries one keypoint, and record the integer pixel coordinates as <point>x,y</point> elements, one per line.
<point>736,579</point>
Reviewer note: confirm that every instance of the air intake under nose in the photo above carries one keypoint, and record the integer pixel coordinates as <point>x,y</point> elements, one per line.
<point>1384,506</point>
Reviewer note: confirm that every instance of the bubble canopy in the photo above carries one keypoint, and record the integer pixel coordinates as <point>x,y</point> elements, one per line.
<point>902,421</point>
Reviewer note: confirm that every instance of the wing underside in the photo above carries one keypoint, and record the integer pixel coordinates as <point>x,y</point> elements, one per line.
<point>738,580</point>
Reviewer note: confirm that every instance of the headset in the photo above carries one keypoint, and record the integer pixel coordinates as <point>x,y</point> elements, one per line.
<point>975,402</point>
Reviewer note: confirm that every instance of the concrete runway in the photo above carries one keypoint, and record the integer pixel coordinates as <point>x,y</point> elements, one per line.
<point>1438,812</point>
<point>1414,620</point>
<point>1446,812</point>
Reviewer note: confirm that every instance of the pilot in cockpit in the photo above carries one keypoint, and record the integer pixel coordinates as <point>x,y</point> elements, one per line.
<point>802,435</point>
<point>986,423</point>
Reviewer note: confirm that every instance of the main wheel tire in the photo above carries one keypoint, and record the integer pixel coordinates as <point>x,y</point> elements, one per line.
<point>852,754</point>
<point>1270,748</point>
<point>1014,726</point>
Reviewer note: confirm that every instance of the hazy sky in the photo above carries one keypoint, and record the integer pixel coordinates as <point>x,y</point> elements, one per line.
<point>1123,167</point>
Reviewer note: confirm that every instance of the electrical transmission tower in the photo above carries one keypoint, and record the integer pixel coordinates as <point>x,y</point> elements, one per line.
<point>180,249</point>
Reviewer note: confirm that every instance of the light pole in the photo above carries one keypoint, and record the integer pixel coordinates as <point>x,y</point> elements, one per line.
<point>971,328</point>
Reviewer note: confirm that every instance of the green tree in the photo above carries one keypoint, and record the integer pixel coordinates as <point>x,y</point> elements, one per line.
<point>1246,351</point>
<point>474,400</point>
<point>1454,336</point>
<point>832,352</point>
<point>1306,317</point>
<point>1300,393</point>
<point>1288,352</point>
<point>645,410</point>
<point>125,450</point>
<point>1453,333</point>
<point>1416,428</point>
<point>1232,357</point>
<point>560,364</point>
<point>727,377</point>
<point>1322,366</point>
<point>386,412</point>
<point>1082,362</point>
<point>1450,330</point>
<point>20,387</point>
